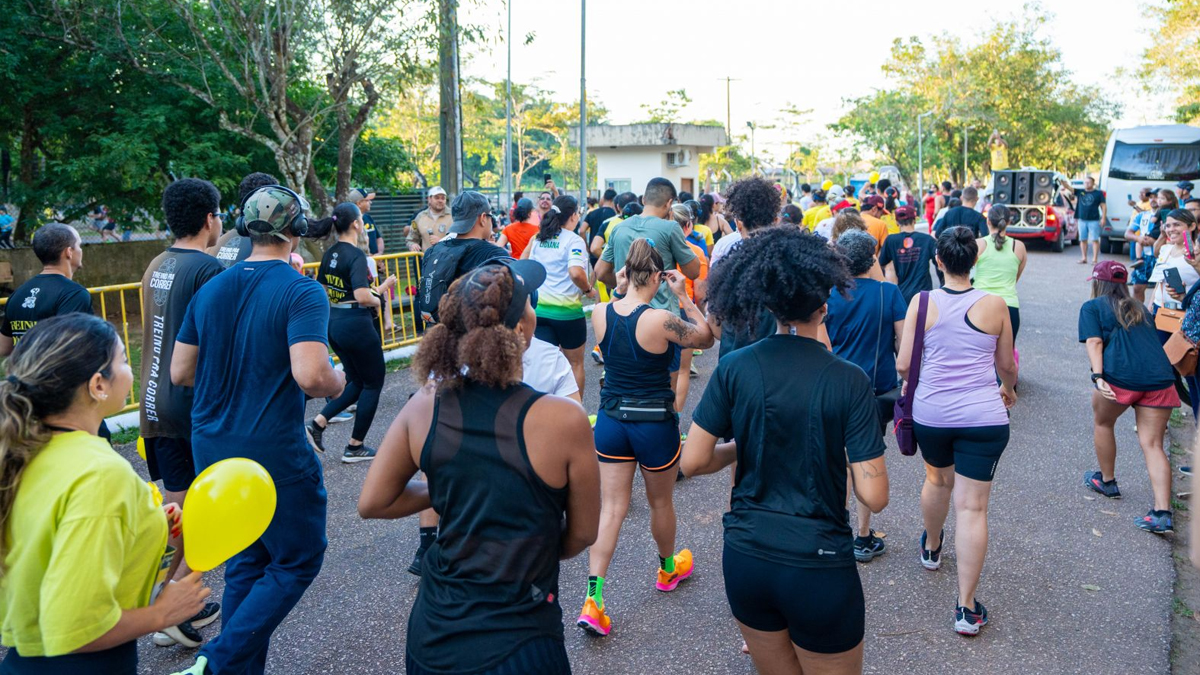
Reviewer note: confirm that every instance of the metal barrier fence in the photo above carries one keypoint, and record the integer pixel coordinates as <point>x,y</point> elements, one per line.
<point>116,305</point>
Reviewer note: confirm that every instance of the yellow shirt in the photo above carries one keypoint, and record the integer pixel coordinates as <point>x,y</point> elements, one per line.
<point>706,233</point>
<point>889,219</point>
<point>85,541</point>
<point>815,215</point>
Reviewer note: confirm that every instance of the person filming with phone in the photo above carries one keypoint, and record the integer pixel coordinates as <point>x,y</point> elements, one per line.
<point>1175,270</point>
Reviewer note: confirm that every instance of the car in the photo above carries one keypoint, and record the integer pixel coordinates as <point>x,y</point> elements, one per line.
<point>1053,222</point>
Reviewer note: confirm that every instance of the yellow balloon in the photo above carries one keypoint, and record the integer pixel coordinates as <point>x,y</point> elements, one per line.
<point>873,177</point>
<point>156,494</point>
<point>141,448</point>
<point>826,185</point>
<point>227,508</point>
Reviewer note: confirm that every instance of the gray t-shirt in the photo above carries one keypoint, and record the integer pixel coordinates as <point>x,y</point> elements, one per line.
<point>668,239</point>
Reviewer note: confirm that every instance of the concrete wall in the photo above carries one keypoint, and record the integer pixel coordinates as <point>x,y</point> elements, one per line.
<point>639,165</point>
<point>103,264</point>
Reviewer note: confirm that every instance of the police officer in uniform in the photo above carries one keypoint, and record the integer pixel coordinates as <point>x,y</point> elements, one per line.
<point>429,226</point>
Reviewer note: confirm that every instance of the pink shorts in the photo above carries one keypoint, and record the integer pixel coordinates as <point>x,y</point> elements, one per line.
<point>1166,397</point>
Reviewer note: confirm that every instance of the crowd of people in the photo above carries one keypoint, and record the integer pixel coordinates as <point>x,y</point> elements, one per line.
<point>494,451</point>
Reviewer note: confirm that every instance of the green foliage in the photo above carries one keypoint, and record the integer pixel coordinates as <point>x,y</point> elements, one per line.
<point>1013,81</point>
<point>669,109</point>
<point>1171,65</point>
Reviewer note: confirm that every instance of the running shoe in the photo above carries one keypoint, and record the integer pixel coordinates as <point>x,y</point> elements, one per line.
<point>697,352</point>
<point>594,619</point>
<point>602,378</point>
<point>932,560</point>
<point>667,581</point>
<point>1185,470</point>
<point>597,356</point>
<point>1158,522</point>
<point>693,372</point>
<point>353,407</point>
<point>197,669</point>
<point>869,547</point>
<point>190,628</point>
<point>344,416</point>
<point>1095,482</point>
<point>184,634</point>
<point>417,566</point>
<point>357,453</point>
<point>969,621</point>
<point>314,434</point>
<point>209,614</point>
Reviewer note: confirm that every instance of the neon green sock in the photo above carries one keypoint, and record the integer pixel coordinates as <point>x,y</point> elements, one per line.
<point>667,564</point>
<point>596,590</point>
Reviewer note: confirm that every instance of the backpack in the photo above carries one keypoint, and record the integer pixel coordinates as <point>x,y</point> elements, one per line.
<point>439,269</point>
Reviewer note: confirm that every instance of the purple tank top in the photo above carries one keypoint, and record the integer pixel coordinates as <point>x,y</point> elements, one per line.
<point>958,369</point>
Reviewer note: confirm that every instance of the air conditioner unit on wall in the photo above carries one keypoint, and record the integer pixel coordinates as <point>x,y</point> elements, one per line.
<point>680,158</point>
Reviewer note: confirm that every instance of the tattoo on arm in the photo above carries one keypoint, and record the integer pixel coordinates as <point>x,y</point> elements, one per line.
<point>870,471</point>
<point>677,327</point>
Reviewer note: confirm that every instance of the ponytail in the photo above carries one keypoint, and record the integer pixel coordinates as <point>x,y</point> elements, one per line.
<point>998,217</point>
<point>45,371</point>
<point>552,223</point>
<point>643,264</point>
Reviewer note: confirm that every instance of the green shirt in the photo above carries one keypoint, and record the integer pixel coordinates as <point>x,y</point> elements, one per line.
<point>84,542</point>
<point>996,271</point>
<point>668,239</point>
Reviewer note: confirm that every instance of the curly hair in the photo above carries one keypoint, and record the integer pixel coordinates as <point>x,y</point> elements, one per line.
<point>754,202</point>
<point>471,340</point>
<point>252,182</point>
<point>783,270</point>
<point>187,203</point>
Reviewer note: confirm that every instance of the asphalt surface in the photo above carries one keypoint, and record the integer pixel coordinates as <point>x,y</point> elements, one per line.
<point>1049,539</point>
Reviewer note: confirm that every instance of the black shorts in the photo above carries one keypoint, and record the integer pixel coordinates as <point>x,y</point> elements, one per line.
<point>119,660</point>
<point>565,333</point>
<point>654,446</point>
<point>974,452</point>
<point>543,655</point>
<point>822,608</point>
<point>170,460</point>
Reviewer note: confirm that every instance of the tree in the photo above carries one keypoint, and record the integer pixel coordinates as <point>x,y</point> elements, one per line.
<point>1013,81</point>
<point>1171,65</point>
<point>669,109</point>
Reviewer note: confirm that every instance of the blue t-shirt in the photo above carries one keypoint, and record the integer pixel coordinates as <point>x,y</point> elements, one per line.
<point>1133,357</point>
<point>246,403</point>
<point>856,334</point>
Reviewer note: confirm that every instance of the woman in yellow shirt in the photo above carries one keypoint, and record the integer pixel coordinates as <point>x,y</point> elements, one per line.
<point>85,545</point>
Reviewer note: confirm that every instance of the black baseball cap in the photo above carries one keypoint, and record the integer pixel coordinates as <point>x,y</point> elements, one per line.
<point>1185,185</point>
<point>528,276</point>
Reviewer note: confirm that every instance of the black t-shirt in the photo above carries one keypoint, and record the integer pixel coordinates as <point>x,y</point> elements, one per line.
<point>231,248</point>
<point>1087,204</point>
<point>798,414</point>
<point>343,269</point>
<point>911,253</point>
<point>1133,357</point>
<point>479,252</point>
<point>168,285</point>
<point>372,233</point>
<point>965,216</point>
<point>42,297</point>
<point>595,219</point>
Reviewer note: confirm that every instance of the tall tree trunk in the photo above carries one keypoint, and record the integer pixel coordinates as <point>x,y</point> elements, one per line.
<point>450,112</point>
<point>27,172</point>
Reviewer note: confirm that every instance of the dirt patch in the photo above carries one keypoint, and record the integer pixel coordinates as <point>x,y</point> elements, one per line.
<point>1185,605</point>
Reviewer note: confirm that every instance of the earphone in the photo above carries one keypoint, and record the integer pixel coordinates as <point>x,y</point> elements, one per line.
<point>298,223</point>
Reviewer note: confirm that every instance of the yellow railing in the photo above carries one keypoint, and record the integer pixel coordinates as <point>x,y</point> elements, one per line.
<point>115,308</point>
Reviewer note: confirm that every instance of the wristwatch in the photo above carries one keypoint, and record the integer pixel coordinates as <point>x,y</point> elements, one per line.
<point>1097,376</point>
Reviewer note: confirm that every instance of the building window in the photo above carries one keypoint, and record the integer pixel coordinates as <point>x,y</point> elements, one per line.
<point>619,184</point>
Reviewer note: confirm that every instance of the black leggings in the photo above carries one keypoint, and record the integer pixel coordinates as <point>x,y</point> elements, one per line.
<point>1014,315</point>
<point>822,608</point>
<point>354,339</point>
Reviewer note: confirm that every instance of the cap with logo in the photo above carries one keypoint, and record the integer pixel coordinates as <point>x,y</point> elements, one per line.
<point>360,194</point>
<point>466,209</point>
<point>906,213</point>
<point>271,209</point>
<point>1109,270</point>
<point>873,201</point>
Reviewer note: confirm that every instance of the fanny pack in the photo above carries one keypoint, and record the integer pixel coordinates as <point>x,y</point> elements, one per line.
<point>641,410</point>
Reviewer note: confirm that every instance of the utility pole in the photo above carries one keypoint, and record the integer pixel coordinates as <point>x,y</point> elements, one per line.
<point>753,159</point>
<point>583,179</point>
<point>450,109</point>
<point>508,185</point>
<point>965,130</point>
<point>728,107</point>
<point>921,157</point>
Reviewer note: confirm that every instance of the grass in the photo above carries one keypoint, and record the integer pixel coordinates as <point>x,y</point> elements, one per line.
<point>1176,420</point>
<point>1178,505</point>
<point>1180,607</point>
<point>1176,449</point>
<point>125,436</point>
<point>398,365</point>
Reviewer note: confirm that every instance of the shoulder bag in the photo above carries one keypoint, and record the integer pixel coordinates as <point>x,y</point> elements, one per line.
<point>905,437</point>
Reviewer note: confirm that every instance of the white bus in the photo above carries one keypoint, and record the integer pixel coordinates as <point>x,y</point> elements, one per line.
<point>1152,156</point>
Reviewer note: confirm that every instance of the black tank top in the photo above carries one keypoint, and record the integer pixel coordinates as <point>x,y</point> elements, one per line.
<point>629,370</point>
<point>490,582</point>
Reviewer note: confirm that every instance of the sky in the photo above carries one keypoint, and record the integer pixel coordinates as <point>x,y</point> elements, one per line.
<point>782,52</point>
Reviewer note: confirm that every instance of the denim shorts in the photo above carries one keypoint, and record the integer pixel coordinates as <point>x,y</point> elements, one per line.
<point>1089,230</point>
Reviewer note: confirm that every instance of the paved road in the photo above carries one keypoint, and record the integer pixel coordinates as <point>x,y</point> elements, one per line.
<point>1043,550</point>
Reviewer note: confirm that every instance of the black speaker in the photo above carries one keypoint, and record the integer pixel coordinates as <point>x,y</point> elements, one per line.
<point>1043,187</point>
<point>1002,184</point>
<point>1022,188</point>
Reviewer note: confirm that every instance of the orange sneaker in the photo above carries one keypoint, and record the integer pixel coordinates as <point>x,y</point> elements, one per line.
<point>593,619</point>
<point>667,581</point>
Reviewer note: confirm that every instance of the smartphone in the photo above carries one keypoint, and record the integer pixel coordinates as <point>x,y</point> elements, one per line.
<point>1171,276</point>
<point>1187,247</point>
<point>546,178</point>
<point>1129,197</point>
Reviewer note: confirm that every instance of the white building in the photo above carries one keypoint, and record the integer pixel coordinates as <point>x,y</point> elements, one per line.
<point>629,155</point>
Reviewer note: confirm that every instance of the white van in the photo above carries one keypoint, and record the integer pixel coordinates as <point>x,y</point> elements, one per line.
<point>1153,156</point>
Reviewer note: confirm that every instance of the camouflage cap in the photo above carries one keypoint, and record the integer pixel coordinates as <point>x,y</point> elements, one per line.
<point>270,209</point>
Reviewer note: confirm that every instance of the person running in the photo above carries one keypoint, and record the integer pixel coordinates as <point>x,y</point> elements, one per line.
<point>516,235</point>
<point>960,417</point>
<point>907,255</point>
<point>560,318</point>
<point>606,209</point>
<point>789,569</point>
<point>1129,368</point>
<point>638,425</point>
<point>862,326</point>
<point>232,247</point>
<point>353,333</point>
<point>253,343</point>
<point>1001,263</point>
<point>514,473</point>
<point>53,292</point>
<point>191,207</point>
<point>83,541</point>
<point>684,215</point>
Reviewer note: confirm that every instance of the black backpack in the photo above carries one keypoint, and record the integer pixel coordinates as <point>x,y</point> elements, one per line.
<point>439,269</point>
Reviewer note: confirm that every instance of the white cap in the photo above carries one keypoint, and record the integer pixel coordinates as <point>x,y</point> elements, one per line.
<point>435,191</point>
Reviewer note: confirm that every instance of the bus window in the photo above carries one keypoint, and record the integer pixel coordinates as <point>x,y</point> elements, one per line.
<point>1155,161</point>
